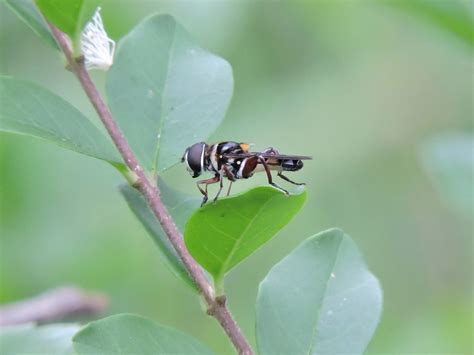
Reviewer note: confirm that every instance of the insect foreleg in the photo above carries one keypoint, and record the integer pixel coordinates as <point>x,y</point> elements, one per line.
<point>206,182</point>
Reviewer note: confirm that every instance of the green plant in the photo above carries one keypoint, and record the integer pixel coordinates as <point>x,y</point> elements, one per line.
<point>165,93</point>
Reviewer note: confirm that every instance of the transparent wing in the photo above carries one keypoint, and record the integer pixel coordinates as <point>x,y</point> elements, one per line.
<point>268,155</point>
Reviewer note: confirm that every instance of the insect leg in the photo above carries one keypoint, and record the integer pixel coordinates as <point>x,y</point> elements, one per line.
<point>271,150</point>
<point>228,190</point>
<point>221,185</point>
<point>228,173</point>
<point>287,179</point>
<point>269,175</point>
<point>207,182</point>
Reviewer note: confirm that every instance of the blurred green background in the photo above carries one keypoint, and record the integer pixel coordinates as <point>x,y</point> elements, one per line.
<point>380,93</point>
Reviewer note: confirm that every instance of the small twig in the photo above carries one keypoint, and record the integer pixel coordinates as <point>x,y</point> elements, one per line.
<point>152,196</point>
<point>52,306</point>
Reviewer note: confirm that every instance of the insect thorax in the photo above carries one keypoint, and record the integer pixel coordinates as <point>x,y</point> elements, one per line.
<point>218,152</point>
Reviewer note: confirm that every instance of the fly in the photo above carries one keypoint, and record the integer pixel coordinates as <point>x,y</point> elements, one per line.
<point>234,161</point>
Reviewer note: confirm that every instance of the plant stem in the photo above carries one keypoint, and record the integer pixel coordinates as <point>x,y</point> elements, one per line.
<point>53,305</point>
<point>216,307</point>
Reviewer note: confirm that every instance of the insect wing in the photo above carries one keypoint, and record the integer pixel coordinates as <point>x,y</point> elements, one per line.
<point>268,155</point>
<point>286,157</point>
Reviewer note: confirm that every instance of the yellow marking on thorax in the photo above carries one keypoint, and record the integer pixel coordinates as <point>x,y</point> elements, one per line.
<point>245,147</point>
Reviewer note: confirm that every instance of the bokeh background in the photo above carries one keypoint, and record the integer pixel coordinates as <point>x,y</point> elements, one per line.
<point>380,93</point>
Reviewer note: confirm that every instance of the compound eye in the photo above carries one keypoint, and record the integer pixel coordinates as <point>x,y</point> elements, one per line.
<point>194,158</point>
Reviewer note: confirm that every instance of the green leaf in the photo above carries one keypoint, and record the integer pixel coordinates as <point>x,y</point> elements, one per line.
<point>30,339</point>
<point>165,91</point>
<point>454,17</point>
<point>69,16</point>
<point>449,160</point>
<point>220,235</point>
<point>131,334</point>
<point>27,11</point>
<point>29,109</point>
<point>320,299</point>
<point>179,205</point>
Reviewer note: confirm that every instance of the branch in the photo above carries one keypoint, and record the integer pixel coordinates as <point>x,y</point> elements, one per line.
<point>52,306</point>
<point>217,308</point>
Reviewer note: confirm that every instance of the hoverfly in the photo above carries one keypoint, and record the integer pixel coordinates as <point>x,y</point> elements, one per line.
<point>234,161</point>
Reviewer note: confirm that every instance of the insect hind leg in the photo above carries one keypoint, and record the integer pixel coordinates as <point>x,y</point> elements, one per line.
<point>271,150</point>
<point>269,175</point>
<point>280,174</point>
<point>278,187</point>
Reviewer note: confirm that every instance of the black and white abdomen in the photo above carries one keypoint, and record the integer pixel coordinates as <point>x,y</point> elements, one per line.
<point>291,165</point>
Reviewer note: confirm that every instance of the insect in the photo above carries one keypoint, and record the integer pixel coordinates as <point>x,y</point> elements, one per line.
<point>234,161</point>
